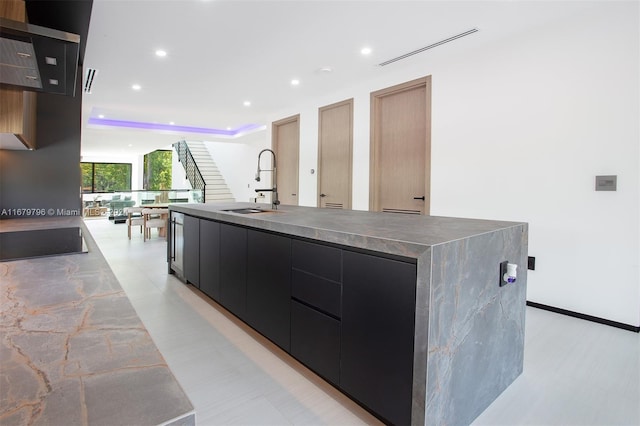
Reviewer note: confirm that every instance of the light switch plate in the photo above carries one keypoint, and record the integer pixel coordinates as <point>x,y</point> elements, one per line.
<point>606,183</point>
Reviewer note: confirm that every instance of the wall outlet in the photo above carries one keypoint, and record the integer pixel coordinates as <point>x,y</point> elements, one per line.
<point>531,263</point>
<point>503,270</point>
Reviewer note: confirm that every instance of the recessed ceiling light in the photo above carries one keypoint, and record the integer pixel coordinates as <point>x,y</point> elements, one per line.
<point>136,87</point>
<point>325,70</point>
<point>101,116</point>
<point>247,103</point>
<point>161,53</point>
<point>365,50</point>
<point>171,123</point>
<point>295,82</point>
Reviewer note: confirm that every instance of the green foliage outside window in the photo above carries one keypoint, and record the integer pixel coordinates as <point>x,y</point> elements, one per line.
<point>106,177</point>
<point>157,170</point>
<point>87,177</point>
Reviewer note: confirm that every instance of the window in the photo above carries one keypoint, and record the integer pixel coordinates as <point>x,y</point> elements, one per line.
<point>157,170</point>
<point>106,177</point>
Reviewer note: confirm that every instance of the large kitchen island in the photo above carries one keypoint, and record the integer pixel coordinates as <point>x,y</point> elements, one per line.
<point>410,316</point>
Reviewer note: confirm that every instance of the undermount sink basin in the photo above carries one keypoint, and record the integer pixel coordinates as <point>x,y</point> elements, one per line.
<point>246,210</point>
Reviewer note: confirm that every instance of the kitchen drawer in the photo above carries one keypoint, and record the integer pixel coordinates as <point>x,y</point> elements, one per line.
<point>315,341</point>
<point>318,292</point>
<point>317,259</point>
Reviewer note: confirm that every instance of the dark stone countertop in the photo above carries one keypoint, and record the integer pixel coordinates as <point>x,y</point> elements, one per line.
<point>72,348</point>
<point>392,233</point>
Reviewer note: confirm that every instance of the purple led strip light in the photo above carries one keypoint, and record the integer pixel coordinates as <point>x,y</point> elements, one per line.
<point>173,128</point>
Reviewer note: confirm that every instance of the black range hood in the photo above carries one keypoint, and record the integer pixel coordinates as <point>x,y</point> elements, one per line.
<point>37,58</point>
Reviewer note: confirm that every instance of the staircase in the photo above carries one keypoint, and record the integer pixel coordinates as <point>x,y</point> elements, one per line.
<point>204,172</point>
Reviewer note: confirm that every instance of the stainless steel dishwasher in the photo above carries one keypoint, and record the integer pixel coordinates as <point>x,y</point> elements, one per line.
<point>177,243</point>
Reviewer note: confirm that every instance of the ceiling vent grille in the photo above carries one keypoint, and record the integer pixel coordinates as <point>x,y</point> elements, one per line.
<point>431,46</point>
<point>89,77</point>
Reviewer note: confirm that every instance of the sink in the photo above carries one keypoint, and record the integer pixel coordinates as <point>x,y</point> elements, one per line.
<point>246,210</point>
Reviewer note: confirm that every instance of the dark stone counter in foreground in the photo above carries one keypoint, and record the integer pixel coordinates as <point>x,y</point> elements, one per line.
<point>72,348</point>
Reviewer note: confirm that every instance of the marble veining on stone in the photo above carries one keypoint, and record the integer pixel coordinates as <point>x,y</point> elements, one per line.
<point>469,331</point>
<point>476,327</point>
<point>73,350</point>
<point>391,233</point>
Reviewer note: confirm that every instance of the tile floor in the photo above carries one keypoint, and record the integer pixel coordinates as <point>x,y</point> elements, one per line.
<point>575,373</point>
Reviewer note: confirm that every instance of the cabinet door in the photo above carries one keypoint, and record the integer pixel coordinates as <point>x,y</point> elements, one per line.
<point>192,250</point>
<point>233,269</point>
<point>269,286</point>
<point>315,340</point>
<point>210,258</point>
<point>378,310</point>
<point>175,249</point>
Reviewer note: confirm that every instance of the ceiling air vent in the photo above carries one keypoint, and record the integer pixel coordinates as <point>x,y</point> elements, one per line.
<point>89,76</point>
<point>431,46</point>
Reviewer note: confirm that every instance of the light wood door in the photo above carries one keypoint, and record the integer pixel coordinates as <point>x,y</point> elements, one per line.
<point>285,141</point>
<point>401,148</point>
<point>335,152</point>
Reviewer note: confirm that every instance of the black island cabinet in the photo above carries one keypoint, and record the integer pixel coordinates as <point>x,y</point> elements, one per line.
<point>407,315</point>
<point>378,311</point>
<point>346,315</point>
<point>269,286</point>
<point>210,258</point>
<point>192,250</point>
<point>233,269</point>
<point>316,307</point>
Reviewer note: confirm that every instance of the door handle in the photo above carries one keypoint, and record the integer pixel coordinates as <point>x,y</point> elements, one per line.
<point>323,195</point>
<point>419,198</point>
<point>172,240</point>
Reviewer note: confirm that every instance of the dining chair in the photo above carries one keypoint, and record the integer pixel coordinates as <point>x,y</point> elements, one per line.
<point>155,218</point>
<point>134,218</point>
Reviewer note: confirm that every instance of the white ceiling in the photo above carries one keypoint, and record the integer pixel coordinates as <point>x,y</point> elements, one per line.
<point>221,53</point>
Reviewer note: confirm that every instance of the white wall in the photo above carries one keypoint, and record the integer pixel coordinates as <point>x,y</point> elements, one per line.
<point>549,112</point>
<point>237,160</point>
<point>520,129</point>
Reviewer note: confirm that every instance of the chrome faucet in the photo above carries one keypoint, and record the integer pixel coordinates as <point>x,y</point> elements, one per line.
<point>274,190</point>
